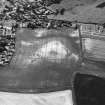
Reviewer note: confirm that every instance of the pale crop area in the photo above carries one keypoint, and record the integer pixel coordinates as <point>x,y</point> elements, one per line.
<point>53,98</point>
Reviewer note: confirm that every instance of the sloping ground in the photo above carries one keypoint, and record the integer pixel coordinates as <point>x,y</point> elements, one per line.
<point>81,10</point>
<point>54,98</point>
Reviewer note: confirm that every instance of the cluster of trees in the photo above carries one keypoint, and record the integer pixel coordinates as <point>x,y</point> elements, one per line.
<point>23,10</point>
<point>7,49</point>
<point>34,12</point>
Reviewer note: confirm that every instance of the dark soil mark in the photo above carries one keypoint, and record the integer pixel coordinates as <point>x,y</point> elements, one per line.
<point>102,5</point>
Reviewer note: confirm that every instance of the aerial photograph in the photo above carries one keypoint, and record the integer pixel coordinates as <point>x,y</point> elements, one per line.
<point>52,52</point>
